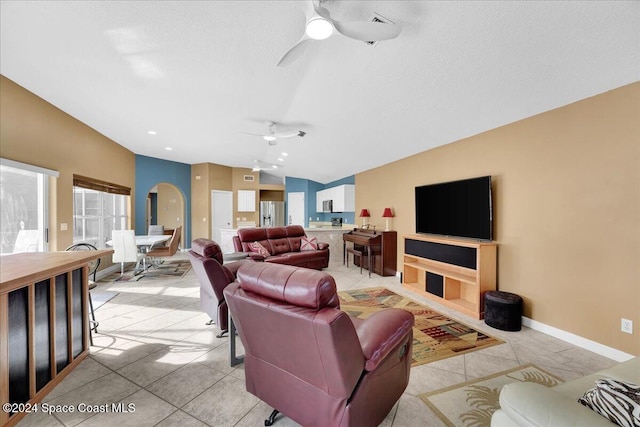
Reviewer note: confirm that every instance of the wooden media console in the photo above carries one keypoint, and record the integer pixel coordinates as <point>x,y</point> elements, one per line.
<point>453,272</point>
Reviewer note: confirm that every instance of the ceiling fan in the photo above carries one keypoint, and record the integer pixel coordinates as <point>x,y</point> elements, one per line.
<point>271,135</point>
<point>320,26</point>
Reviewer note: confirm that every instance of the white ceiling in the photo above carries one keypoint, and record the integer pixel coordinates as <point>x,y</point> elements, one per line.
<point>200,72</point>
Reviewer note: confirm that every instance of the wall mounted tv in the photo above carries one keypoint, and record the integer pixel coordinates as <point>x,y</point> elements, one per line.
<point>457,208</point>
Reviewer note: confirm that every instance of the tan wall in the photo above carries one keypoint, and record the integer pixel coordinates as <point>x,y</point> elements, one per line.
<point>218,177</point>
<point>35,132</point>
<point>566,192</point>
<point>170,208</point>
<point>211,177</point>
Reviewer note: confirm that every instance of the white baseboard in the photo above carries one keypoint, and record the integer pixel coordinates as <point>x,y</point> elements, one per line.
<point>603,350</point>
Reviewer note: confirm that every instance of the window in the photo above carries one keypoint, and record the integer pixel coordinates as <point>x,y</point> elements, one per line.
<point>24,201</point>
<point>98,210</point>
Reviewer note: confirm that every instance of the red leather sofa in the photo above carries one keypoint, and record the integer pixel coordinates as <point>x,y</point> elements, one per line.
<point>283,244</point>
<point>206,260</point>
<point>308,359</point>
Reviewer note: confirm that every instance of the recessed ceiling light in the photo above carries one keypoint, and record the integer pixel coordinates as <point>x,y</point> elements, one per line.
<point>168,148</point>
<point>280,159</point>
<point>269,138</point>
<point>285,154</point>
<point>275,166</point>
<point>152,132</point>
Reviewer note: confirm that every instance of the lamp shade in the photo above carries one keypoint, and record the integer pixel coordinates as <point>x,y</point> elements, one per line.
<point>387,213</point>
<point>365,213</point>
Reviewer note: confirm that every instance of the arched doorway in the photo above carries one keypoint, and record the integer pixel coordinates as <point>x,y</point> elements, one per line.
<point>166,207</point>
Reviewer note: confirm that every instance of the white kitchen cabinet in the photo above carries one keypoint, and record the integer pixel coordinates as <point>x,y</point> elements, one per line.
<point>246,200</point>
<point>343,197</point>
<point>321,196</point>
<point>349,198</point>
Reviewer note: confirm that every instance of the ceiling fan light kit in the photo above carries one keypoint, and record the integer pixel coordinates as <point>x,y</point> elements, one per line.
<point>271,136</point>
<point>318,28</point>
<point>320,25</point>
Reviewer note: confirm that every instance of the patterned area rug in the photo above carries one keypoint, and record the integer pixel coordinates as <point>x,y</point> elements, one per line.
<point>471,404</point>
<point>166,270</point>
<point>435,336</point>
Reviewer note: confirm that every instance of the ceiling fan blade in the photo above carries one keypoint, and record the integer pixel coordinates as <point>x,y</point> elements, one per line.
<point>309,9</point>
<point>319,10</point>
<point>262,135</point>
<point>367,31</point>
<point>295,52</point>
<point>287,134</point>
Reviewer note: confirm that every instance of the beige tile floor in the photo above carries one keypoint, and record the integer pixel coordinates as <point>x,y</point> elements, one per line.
<point>154,351</point>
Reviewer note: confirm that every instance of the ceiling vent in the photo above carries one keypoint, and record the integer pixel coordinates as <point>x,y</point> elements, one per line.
<point>377,18</point>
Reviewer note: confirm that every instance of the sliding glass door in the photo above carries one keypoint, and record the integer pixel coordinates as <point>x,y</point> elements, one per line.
<point>24,201</point>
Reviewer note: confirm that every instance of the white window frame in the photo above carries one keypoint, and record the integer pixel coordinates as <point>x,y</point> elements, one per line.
<point>43,197</point>
<point>113,217</point>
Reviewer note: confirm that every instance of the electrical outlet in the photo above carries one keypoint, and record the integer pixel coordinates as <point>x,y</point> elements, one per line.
<point>626,325</point>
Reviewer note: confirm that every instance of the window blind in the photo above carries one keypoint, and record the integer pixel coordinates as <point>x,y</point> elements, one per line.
<point>96,184</point>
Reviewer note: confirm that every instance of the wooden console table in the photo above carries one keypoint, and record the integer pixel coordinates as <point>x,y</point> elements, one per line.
<point>44,323</point>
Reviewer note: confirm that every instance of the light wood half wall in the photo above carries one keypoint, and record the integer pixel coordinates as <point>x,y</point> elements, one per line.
<point>35,132</point>
<point>566,194</point>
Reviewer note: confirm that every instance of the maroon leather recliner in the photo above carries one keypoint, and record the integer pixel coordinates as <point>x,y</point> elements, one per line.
<point>308,359</point>
<point>206,260</point>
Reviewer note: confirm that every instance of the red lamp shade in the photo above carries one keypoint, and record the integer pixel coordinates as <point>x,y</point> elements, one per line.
<point>387,213</point>
<point>365,213</point>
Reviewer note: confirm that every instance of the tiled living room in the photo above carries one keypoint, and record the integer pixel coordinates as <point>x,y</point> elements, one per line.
<point>154,351</point>
<point>189,115</point>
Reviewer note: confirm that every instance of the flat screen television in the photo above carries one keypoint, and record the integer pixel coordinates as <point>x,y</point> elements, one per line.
<point>457,208</point>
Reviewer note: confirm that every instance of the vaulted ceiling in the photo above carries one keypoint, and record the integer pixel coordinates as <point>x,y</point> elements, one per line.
<point>200,73</point>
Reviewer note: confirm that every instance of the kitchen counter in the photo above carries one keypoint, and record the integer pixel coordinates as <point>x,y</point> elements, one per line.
<point>328,228</point>
<point>332,236</point>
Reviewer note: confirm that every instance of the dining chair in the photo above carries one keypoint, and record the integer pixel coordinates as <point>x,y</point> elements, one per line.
<point>156,230</point>
<point>171,248</point>
<point>126,250</point>
<point>93,268</point>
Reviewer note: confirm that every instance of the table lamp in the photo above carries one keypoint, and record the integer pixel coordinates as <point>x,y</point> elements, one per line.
<point>386,215</point>
<point>364,214</point>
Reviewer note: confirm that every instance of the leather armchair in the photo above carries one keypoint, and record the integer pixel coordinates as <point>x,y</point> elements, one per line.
<point>308,359</point>
<point>207,263</point>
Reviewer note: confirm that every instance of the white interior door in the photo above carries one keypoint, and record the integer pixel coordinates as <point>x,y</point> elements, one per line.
<point>221,212</point>
<point>295,204</point>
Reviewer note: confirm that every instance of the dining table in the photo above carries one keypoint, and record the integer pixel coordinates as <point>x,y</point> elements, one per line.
<point>145,242</point>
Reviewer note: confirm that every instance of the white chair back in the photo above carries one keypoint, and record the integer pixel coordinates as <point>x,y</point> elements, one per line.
<point>27,241</point>
<point>124,246</point>
<point>156,230</point>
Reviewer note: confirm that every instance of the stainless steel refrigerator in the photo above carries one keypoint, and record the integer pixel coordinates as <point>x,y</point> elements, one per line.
<point>271,214</point>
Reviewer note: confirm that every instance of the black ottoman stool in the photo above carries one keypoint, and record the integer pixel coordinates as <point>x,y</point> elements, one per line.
<point>503,310</point>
